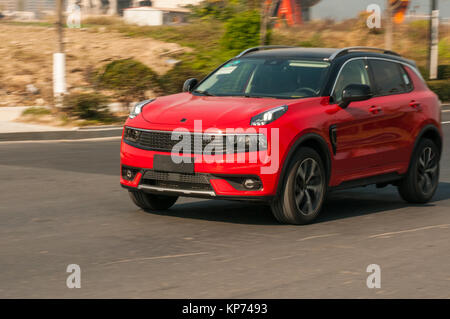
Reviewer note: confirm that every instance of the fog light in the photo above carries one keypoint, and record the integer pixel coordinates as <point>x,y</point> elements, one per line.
<point>129,174</point>
<point>250,183</point>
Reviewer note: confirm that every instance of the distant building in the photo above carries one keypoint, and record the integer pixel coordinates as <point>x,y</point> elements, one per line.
<point>93,6</point>
<point>155,16</point>
<point>27,5</point>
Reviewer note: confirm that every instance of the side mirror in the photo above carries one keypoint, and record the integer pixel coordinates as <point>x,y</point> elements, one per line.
<point>353,93</point>
<point>189,85</point>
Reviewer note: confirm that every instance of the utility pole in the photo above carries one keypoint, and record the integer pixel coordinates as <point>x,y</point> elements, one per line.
<point>267,11</point>
<point>59,23</point>
<point>263,24</point>
<point>434,40</point>
<point>389,27</point>
<point>59,61</point>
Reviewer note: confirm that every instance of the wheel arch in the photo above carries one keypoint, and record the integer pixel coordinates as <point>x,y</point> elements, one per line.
<point>314,141</point>
<point>431,132</point>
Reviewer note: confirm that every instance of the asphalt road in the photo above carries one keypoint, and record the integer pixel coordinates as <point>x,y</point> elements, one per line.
<point>61,204</point>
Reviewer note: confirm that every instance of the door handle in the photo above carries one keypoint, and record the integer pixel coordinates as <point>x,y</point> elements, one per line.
<point>414,104</point>
<point>375,109</point>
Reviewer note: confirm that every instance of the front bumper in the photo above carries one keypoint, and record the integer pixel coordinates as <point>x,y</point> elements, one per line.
<point>210,180</point>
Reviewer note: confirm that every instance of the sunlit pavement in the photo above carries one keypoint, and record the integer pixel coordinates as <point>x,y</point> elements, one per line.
<point>61,204</point>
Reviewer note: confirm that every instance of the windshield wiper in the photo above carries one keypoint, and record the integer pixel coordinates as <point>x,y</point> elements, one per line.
<point>255,96</point>
<point>206,93</point>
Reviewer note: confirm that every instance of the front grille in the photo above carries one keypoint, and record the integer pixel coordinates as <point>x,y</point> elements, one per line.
<point>199,143</point>
<point>177,180</point>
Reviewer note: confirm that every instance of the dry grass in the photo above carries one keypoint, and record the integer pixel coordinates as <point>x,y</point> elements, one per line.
<point>26,58</point>
<point>26,48</point>
<point>410,39</point>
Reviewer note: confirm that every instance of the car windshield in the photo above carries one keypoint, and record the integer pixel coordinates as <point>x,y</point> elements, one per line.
<point>274,78</point>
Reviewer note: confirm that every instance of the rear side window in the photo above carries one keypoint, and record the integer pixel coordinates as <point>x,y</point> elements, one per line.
<point>390,77</point>
<point>406,79</point>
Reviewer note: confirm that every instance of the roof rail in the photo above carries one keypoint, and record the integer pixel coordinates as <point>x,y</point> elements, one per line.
<point>348,49</point>
<point>263,47</point>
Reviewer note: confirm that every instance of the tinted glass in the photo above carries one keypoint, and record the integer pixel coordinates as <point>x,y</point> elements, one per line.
<point>354,72</point>
<point>388,77</point>
<point>279,78</point>
<point>406,79</point>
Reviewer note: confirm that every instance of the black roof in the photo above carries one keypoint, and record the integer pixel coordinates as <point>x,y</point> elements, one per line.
<point>308,53</point>
<point>321,53</point>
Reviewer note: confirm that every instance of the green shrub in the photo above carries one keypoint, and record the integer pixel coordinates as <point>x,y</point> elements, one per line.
<point>242,31</point>
<point>441,88</point>
<point>172,81</point>
<point>129,77</point>
<point>87,106</point>
<point>221,10</point>
<point>444,72</point>
<point>37,111</point>
<point>418,30</point>
<point>444,49</point>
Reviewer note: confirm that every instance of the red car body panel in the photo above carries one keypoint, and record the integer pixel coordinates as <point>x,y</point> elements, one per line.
<point>376,136</point>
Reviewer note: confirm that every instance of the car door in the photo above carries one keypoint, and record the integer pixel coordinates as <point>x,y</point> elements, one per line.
<point>358,128</point>
<point>393,94</point>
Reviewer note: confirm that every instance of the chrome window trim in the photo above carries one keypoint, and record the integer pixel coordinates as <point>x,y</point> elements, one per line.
<point>374,58</point>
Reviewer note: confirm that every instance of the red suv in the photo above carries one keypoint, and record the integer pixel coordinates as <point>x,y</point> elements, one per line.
<point>285,126</point>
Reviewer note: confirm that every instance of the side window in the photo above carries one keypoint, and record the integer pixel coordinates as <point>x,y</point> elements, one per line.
<point>406,79</point>
<point>389,78</point>
<point>354,72</point>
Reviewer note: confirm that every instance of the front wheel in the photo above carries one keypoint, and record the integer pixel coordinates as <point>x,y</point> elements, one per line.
<point>422,179</point>
<point>303,194</point>
<point>151,201</point>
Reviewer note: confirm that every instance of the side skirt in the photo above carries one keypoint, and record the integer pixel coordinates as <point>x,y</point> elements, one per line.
<point>378,179</point>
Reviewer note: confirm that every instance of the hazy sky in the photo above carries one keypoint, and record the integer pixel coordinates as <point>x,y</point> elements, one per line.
<point>342,9</point>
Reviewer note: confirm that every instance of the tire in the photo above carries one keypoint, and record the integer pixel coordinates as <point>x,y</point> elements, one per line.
<point>304,192</point>
<point>151,201</point>
<point>422,179</point>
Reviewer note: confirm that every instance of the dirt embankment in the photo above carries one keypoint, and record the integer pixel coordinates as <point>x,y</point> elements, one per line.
<point>26,59</point>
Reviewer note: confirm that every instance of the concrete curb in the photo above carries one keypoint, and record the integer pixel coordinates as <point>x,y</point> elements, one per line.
<point>83,133</point>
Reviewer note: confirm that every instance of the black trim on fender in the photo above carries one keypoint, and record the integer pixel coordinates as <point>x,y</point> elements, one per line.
<point>333,137</point>
<point>425,129</point>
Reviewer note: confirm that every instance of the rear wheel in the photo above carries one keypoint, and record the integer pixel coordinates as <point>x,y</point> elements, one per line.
<point>422,178</point>
<point>151,201</point>
<point>303,194</point>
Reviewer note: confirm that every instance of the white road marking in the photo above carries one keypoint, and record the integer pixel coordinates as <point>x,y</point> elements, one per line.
<point>285,257</point>
<point>318,236</point>
<point>445,111</point>
<point>153,258</point>
<point>409,230</point>
<point>94,139</point>
<point>446,122</point>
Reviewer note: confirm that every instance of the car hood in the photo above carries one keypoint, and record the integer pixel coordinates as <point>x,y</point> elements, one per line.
<point>184,108</point>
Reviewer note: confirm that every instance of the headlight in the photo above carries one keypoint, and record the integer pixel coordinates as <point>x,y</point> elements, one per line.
<point>268,116</point>
<point>131,134</point>
<point>138,108</point>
